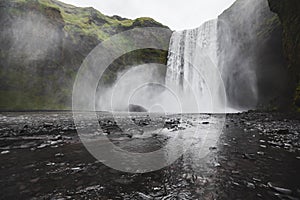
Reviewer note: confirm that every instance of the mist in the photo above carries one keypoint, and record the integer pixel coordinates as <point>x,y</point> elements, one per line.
<point>33,38</point>
<point>249,58</point>
<point>139,85</point>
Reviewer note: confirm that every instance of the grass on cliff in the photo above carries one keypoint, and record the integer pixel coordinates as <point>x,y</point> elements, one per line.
<point>86,21</point>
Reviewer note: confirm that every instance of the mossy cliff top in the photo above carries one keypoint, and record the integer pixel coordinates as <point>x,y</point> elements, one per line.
<point>77,20</point>
<point>44,42</point>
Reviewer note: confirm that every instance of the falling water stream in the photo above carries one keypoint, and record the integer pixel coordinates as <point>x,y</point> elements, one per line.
<point>192,71</point>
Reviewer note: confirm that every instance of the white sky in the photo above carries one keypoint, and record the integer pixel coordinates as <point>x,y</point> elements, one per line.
<point>177,14</point>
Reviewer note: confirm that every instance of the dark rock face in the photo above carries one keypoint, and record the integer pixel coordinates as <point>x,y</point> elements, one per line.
<point>43,44</point>
<point>289,15</point>
<point>251,56</point>
<point>136,108</point>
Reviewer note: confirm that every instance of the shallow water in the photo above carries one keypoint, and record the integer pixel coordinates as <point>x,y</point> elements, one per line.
<point>254,156</point>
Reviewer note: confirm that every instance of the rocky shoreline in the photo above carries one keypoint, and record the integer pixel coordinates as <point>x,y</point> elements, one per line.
<point>257,157</point>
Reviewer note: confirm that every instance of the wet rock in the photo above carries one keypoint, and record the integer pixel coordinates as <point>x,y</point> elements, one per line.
<point>132,132</point>
<point>47,125</point>
<point>136,108</point>
<point>59,155</point>
<point>167,197</point>
<point>226,145</point>
<point>24,129</point>
<point>57,137</point>
<point>181,128</point>
<point>256,179</point>
<point>67,138</point>
<point>259,195</point>
<point>279,189</point>
<point>144,196</point>
<point>248,156</point>
<point>142,122</point>
<point>283,131</point>
<point>250,185</point>
<point>173,124</point>
<point>212,148</point>
<point>50,164</point>
<point>109,126</point>
<point>76,169</point>
<point>260,153</point>
<point>90,189</point>
<point>273,143</point>
<point>235,183</point>
<point>35,180</point>
<point>42,146</point>
<point>170,180</point>
<point>235,172</point>
<point>5,152</point>
<point>216,164</point>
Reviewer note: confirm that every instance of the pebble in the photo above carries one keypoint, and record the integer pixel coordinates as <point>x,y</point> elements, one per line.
<point>50,164</point>
<point>58,137</point>
<point>42,146</point>
<point>256,179</point>
<point>248,156</point>
<point>48,124</point>
<point>5,152</point>
<point>250,185</point>
<point>212,148</point>
<point>34,180</point>
<point>76,168</point>
<point>279,189</point>
<point>226,144</point>
<point>59,155</point>
<point>144,196</point>
<point>259,195</point>
<point>235,183</point>
<point>217,164</point>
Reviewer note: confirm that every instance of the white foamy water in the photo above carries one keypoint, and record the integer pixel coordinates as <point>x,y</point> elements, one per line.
<point>192,72</point>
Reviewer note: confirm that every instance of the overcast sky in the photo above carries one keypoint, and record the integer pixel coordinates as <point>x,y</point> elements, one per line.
<point>177,14</point>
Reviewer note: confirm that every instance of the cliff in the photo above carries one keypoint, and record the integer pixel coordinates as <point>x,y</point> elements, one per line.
<point>289,15</point>
<point>251,56</point>
<point>43,43</point>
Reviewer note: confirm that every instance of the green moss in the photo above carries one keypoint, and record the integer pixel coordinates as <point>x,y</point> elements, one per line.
<point>47,4</point>
<point>85,21</point>
<point>134,58</point>
<point>20,100</point>
<point>47,84</point>
<point>297,97</point>
<point>268,26</point>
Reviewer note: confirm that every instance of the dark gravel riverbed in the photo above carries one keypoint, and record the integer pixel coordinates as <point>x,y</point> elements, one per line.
<point>256,156</point>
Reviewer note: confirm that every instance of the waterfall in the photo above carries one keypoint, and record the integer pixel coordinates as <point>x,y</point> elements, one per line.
<point>192,72</point>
